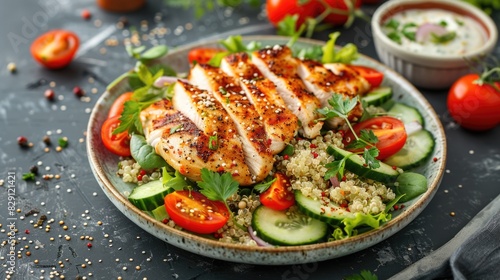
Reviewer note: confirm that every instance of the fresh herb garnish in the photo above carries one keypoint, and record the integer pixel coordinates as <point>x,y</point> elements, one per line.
<point>175,128</point>
<point>263,186</point>
<point>442,39</point>
<point>143,56</point>
<point>409,31</point>
<point>396,31</point>
<point>341,107</point>
<point>392,24</point>
<point>63,142</point>
<point>233,44</point>
<point>201,7</point>
<point>29,176</point>
<point>346,54</point>
<point>213,143</point>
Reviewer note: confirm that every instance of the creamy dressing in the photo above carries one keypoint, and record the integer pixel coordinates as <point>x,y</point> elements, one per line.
<point>469,35</point>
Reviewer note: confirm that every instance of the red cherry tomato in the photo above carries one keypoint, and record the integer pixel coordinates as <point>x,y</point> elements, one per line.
<point>116,143</point>
<point>117,107</point>
<point>277,10</point>
<point>474,106</point>
<point>193,211</point>
<point>390,132</point>
<point>337,18</point>
<point>373,76</point>
<point>202,55</point>
<point>278,196</point>
<point>55,49</point>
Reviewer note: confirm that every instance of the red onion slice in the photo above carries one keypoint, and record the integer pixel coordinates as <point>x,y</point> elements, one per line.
<point>335,181</point>
<point>425,30</point>
<point>257,239</point>
<point>163,81</point>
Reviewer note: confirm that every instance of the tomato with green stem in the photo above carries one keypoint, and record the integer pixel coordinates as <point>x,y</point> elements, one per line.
<point>278,196</point>
<point>119,143</point>
<point>371,75</point>
<point>193,211</point>
<point>473,101</point>
<point>339,12</point>
<point>55,49</point>
<point>390,132</point>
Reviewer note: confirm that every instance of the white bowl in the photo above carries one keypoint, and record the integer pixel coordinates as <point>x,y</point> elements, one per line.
<point>427,70</point>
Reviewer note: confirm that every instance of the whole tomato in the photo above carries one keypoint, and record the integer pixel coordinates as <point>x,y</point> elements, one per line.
<point>277,10</point>
<point>474,104</point>
<point>339,10</point>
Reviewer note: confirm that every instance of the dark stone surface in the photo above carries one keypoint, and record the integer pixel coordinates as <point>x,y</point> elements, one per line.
<point>470,183</point>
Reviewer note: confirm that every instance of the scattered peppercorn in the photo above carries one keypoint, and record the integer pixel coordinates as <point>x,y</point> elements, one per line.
<point>12,67</point>
<point>86,14</point>
<point>34,169</point>
<point>22,141</point>
<point>46,140</point>
<point>89,245</point>
<point>50,94</point>
<point>78,91</point>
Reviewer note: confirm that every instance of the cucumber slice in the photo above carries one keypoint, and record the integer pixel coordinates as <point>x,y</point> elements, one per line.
<point>287,227</point>
<point>417,149</point>
<point>354,163</point>
<point>149,196</point>
<point>378,96</point>
<point>160,213</point>
<point>330,213</point>
<point>405,113</point>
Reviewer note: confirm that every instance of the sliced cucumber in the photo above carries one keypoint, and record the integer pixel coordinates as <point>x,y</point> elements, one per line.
<point>405,113</point>
<point>149,196</point>
<point>160,213</point>
<point>330,213</point>
<point>417,149</point>
<point>354,163</point>
<point>378,96</point>
<point>287,227</point>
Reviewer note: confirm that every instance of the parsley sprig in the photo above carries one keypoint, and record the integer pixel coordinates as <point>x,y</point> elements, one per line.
<point>341,107</point>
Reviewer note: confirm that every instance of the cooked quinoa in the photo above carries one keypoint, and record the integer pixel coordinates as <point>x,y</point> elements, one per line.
<point>306,170</point>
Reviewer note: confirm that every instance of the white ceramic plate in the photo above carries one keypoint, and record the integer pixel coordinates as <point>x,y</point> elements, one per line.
<point>104,167</point>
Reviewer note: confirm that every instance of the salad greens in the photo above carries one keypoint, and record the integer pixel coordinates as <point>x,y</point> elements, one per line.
<point>411,185</point>
<point>144,153</point>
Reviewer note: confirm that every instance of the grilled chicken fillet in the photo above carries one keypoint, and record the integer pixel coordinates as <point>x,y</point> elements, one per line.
<point>280,123</point>
<point>323,80</point>
<point>277,64</point>
<point>247,121</point>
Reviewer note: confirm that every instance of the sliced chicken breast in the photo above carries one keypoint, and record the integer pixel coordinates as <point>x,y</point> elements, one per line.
<point>280,123</point>
<point>247,121</point>
<point>204,135</point>
<point>323,82</point>
<point>277,64</point>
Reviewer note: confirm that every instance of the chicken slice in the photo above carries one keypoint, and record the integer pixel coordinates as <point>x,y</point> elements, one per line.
<point>280,123</point>
<point>277,64</point>
<point>214,143</point>
<point>324,80</point>
<point>246,119</point>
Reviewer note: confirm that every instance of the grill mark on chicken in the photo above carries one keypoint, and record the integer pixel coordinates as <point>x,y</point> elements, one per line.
<point>247,121</point>
<point>277,64</point>
<point>280,123</point>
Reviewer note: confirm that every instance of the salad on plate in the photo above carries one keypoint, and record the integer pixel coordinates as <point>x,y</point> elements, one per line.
<point>267,145</point>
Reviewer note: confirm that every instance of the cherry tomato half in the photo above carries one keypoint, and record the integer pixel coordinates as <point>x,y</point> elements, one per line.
<point>474,106</point>
<point>193,211</point>
<point>278,196</point>
<point>202,55</point>
<point>373,76</point>
<point>55,49</point>
<point>117,106</point>
<point>390,132</point>
<point>277,10</point>
<point>116,143</point>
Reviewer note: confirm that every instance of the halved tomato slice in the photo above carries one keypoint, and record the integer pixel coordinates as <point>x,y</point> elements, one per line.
<point>390,132</point>
<point>202,55</point>
<point>278,196</point>
<point>193,211</point>
<point>373,76</point>
<point>116,143</point>
<point>55,49</point>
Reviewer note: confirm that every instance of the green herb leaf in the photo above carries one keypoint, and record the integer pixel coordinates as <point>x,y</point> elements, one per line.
<point>289,150</point>
<point>144,153</point>
<point>335,168</point>
<point>29,176</point>
<point>178,182</point>
<point>154,53</point>
<point>411,185</point>
<point>392,24</point>
<point>394,36</point>
<point>368,136</point>
<point>363,275</point>
<point>263,186</point>
<point>346,54</point>
<point>442,39</point>
<point>340,106</point>
<point>370,157</point>
<point>217,187</point>
<point>63,142</point>
<point>175,128</point>
<point>212,143</point>
<point>129,119</point>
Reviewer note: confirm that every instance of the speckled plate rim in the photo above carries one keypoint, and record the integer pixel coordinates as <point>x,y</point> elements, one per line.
<point>101,161</point>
